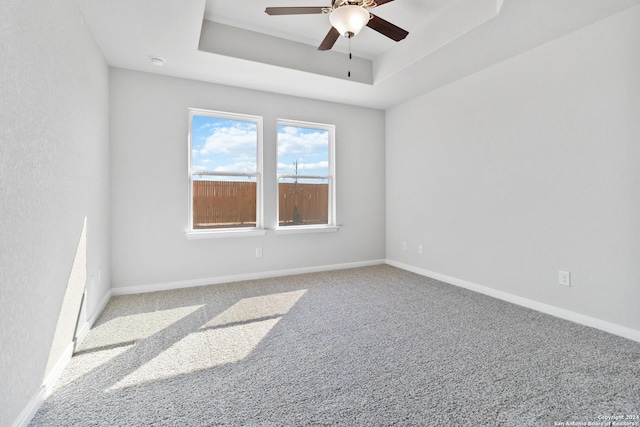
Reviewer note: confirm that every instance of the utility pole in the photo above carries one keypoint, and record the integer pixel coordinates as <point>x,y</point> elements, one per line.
<point>297,219</point>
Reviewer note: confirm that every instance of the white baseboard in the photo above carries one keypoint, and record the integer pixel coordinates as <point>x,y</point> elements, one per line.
<point>165,286</point>
<point>30,410</point>
<point>45,390</point>
<point>49,382</point>
<point>84,330</point>
<point>582,319</point>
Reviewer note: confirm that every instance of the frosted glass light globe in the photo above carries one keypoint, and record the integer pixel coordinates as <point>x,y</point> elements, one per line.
<point>349,20</point>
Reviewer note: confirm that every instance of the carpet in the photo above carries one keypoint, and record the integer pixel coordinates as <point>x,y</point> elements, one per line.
<point>372,346</point>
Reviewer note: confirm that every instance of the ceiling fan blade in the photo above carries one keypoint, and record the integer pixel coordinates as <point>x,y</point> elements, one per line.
<point>387,28</point>
<point>329,39</point>
<point>294,10</point>
<point>381,2</point>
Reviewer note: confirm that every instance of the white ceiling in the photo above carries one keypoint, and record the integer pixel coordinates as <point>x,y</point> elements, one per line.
<point>448,39</point>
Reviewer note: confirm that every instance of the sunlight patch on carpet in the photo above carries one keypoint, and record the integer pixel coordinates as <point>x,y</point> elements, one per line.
<point>133,327</point>
<point>259,307</point>
<point>82,364</point>
<point>227,338</point>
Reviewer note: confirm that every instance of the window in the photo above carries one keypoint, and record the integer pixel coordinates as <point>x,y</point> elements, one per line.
<point>306,183</point>
<point>225,162</point>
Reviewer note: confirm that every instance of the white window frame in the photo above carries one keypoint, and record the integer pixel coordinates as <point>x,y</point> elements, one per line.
<point>231,231</point>
<point>331,217</point>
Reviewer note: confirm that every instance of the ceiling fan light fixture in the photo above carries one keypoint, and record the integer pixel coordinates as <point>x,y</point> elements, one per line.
<point>349,19</point>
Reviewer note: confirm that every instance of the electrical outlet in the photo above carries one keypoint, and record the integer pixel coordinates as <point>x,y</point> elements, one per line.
<point>419,249</point>
<point>564,278</point>
<point>404,245</point>
<point>258,252</point>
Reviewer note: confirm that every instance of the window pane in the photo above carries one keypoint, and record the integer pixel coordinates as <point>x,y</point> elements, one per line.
<point>303,201</point>
<point>221,202</point>
<point>303,149</point>
<point>225,170</point>
<point>223,145</point>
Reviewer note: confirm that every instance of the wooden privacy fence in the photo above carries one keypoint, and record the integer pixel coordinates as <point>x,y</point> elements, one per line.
<point>303,203</point>
<point>224,204</point>
<point>233,204</point>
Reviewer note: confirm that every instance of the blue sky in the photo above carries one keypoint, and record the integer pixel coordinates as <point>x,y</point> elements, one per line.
<point>224,145</point>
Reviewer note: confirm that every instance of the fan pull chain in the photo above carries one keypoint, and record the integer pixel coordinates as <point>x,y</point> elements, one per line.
<point>349,47</point>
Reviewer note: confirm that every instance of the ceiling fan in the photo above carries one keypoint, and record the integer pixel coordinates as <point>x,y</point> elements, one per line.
<point>347,18</point>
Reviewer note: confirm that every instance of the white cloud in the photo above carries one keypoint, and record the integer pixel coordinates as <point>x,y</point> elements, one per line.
<point>234,139</point>
<point>293,141</point>
<point>317,165</point>
<point>239,165</point>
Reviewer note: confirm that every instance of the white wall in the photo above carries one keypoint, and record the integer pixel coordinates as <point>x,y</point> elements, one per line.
<point>53,175</point>
<point>149,184</point>
<point>527,168</point>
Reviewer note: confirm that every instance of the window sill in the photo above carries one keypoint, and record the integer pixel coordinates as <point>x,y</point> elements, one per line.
<point>306,229</point>
<point>221,234</point>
